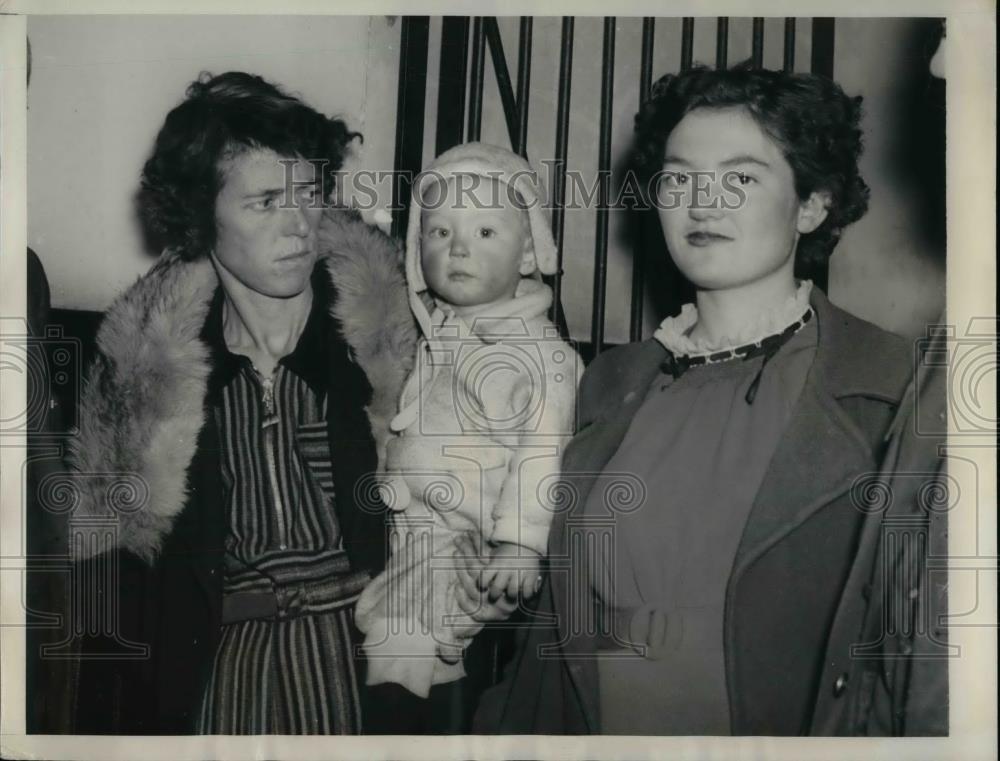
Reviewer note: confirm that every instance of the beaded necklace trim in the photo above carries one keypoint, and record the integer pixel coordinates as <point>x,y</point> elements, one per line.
<point>747,351</point>
<point>677,364</point>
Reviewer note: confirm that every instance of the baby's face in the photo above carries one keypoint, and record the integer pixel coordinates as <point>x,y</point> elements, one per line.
<point>475,245</point>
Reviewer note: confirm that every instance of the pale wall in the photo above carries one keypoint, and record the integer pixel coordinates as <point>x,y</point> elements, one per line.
<point>885,268</point>
<point>102,85</point>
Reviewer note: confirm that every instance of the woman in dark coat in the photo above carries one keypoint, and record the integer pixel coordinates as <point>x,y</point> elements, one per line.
<point>709,527</point>
<point>238,404</point>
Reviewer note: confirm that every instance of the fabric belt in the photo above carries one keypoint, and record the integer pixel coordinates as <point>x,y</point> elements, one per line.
<point>294,599</point>
<point>688,628</point>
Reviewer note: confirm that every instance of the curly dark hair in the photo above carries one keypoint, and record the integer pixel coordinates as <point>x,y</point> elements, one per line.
<point>221,117</point>
<point>812,120</point>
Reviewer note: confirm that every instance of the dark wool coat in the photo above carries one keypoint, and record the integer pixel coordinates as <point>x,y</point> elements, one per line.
<point>890,650</point>
<point>145,424</point>
<point>796,553</point>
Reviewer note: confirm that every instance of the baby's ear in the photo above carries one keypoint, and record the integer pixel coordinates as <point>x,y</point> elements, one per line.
<point>528,263</point>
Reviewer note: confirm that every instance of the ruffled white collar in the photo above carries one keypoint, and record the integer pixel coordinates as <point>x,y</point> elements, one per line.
<point>673,331</point>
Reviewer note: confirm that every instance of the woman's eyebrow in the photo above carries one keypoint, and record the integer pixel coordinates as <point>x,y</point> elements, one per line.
<point>265,192</point>
<point>732,161</point>
<point>744,159</point>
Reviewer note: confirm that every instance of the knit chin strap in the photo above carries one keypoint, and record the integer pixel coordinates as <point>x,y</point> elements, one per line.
<point>678,364</point>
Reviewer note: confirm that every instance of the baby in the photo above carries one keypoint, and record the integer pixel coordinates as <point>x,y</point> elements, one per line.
<point>483,417</point>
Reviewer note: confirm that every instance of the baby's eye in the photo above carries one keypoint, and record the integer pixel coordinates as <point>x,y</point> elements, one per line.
<point>743,178</point>
<point>437,232</point>
<point>487,232</point>
<point>676,178</point>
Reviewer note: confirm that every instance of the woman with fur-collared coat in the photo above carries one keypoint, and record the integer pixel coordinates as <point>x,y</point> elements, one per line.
<point>229,429</point>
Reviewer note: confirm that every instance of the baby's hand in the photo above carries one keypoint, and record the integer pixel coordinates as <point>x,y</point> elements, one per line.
<point>450,653</point>
<point>394,492</point>
<point>512,569</point>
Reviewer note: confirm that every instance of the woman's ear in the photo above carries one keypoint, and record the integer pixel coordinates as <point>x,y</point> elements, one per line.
<point>528,263</point>
<point>812,211</point>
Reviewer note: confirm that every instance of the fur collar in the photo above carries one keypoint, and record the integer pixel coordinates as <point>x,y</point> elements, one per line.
<point>142,406</point>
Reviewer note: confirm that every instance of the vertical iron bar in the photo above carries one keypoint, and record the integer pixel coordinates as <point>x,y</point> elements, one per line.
<point>789,62</point>
<point>822,47</point>
<point>523,85</point>
<point>638,270</point>
<point>822,64</point>
<point>603,177</point>
<point>757,54</point>
<point>476,80</point>
<point>722,43</point>
<point>646,58</point>
<point>451,82</point>
<point>687,43</point>
<point>495,43</point>
<point>412,91</point>
<point>559,181</point>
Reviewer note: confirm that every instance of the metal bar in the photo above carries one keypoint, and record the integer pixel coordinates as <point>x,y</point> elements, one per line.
<point>822,64</point>
<point>412,90</point>
<point>495,43</point>
<point>451,82</point>
<point>822,47</point>
<point>757,54</point>
<point>523,84</point>
<point>646,59</point>
<point>476,80</point>
<point>789,61</point>
<point>559,181</point>
<point>638,261</point>
<point>603,176</point>
<point>722,42</point>
<point>687,43</point>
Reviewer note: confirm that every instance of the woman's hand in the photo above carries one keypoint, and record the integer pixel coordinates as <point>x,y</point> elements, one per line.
<point>471,599</point>
<point>647,630</point>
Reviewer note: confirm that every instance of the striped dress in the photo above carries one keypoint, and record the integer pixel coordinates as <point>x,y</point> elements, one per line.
<point>290,673</point>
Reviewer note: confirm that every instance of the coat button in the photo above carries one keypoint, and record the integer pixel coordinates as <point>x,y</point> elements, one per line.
<point>840,685</point>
